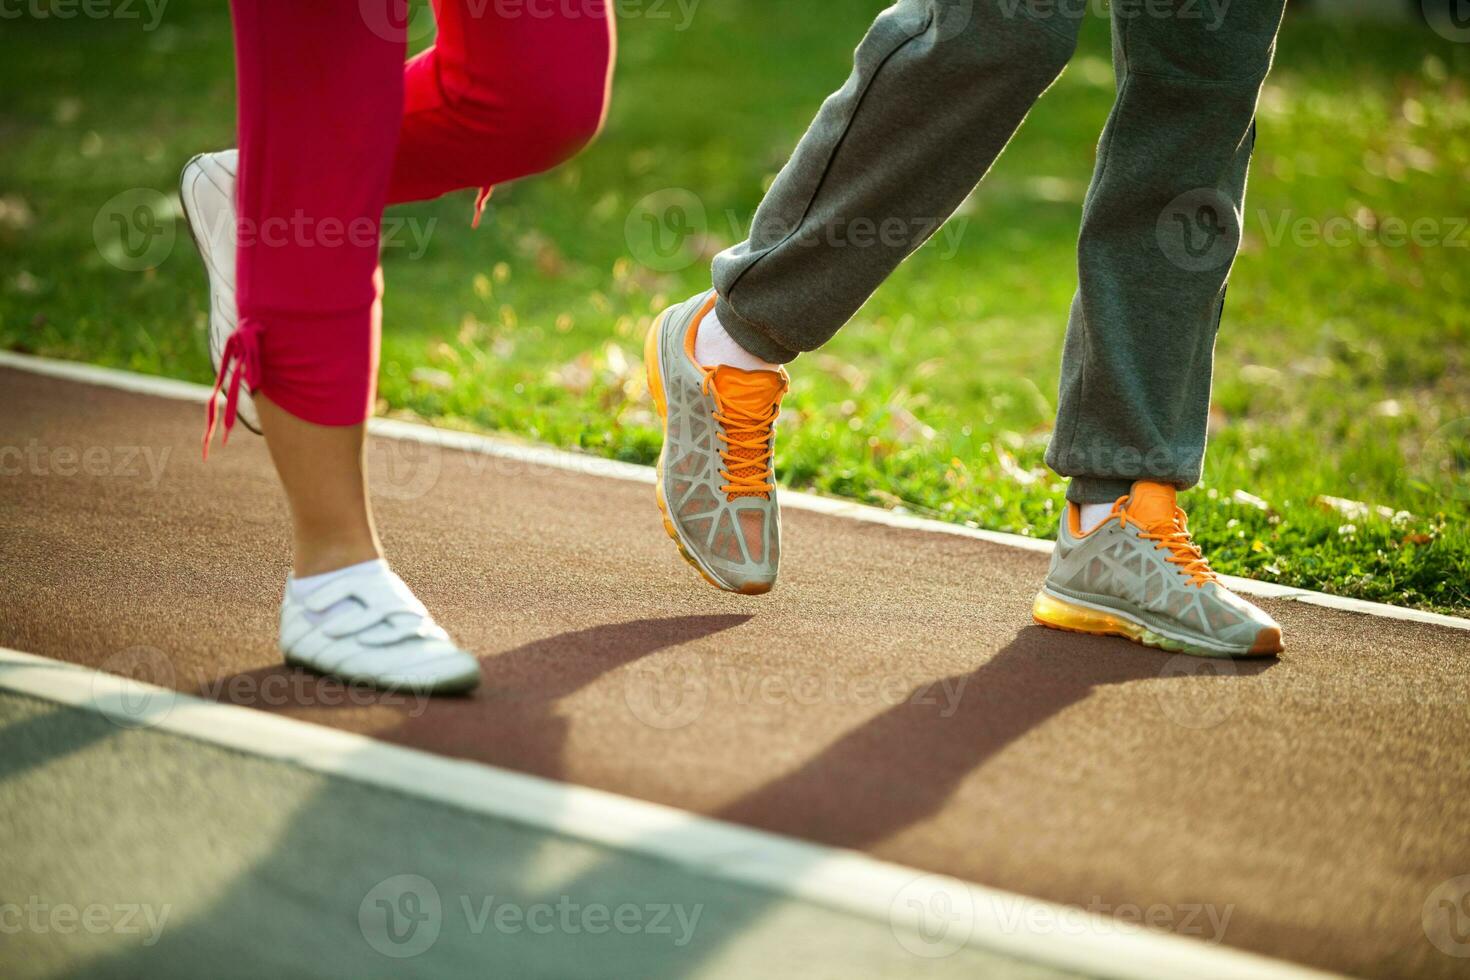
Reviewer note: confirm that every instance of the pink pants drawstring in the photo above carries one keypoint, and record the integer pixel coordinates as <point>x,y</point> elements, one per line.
<point>240,361</point>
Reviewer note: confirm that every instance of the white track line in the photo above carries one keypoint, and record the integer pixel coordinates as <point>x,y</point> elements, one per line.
<point>1006,923</point>
<point>502,448</point>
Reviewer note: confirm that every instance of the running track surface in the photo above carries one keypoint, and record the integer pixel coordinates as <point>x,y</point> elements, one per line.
<point>890,695</point>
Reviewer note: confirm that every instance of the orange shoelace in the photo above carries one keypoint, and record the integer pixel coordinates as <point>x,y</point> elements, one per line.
<point>1174,537</point>
<point>746,406</point>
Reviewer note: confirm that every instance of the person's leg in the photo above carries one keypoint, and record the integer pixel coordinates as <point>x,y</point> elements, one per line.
<point>937,89</point>
<point>494,99</point>
<point>320,97</point>
<point>321,469</point>
<point>497,97</point>
<point>321,107</point>
<point>317,88</point>
<point>502,95</point>
<point>1160,227</point>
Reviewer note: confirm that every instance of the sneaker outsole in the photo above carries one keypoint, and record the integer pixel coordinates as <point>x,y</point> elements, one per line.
<point>1059,614</point>
<point>460,684</point>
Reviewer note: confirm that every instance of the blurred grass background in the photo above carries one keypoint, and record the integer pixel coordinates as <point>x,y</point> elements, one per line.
<point>1341,411</point>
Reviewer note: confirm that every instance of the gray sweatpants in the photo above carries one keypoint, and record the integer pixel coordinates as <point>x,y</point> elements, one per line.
<point>937,88</point>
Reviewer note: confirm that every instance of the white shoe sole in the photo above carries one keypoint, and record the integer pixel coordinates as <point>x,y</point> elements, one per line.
<point>459,675</point>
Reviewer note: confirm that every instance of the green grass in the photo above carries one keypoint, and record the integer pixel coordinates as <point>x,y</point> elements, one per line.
<point>1338,364</point>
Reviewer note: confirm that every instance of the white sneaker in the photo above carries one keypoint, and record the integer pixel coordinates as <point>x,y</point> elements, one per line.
<point>207,191</point>
<point>370,628</point>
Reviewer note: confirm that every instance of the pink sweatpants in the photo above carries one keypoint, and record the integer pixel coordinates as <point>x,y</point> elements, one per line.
<point>334,126</point>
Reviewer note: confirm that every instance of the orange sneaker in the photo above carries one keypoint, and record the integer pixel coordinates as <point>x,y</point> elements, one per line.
<point>1140,575</point>
<point>716,485</point>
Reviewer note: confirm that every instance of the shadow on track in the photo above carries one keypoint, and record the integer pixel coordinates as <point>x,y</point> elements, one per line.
<point>297,907</point>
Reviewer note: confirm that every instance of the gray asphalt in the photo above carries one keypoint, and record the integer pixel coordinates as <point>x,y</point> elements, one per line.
<point>135,853</point>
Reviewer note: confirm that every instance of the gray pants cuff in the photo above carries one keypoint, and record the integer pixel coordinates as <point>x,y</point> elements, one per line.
<point>1097,490</point>
<point>753,338</point>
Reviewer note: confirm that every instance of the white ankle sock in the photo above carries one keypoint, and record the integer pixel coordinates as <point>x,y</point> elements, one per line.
<point>300,588</point>
<point>713,346</point>
<point>303,587</point>
<point>1092,515</point>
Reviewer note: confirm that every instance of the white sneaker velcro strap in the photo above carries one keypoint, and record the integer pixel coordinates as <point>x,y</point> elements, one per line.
<point>380,611</point>
<point>349,652</point>
<point>384,593</point>
<point>370,628</point>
